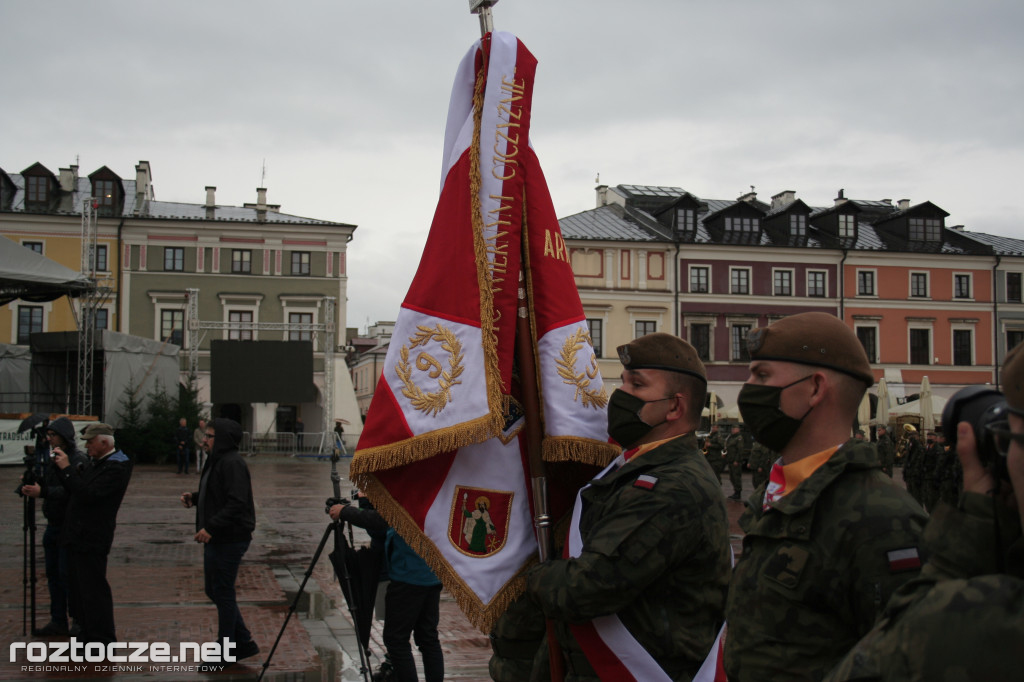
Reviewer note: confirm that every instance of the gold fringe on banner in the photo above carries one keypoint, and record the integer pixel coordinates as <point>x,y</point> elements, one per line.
<point>422,447</point>
<point>482,616</point>
<point>580,450</point>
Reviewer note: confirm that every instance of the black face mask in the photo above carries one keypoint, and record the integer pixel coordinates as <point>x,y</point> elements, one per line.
<point>760,407</point>
<point>624,422</point>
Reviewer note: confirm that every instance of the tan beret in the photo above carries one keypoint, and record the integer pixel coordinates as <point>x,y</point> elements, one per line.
<point>817,339</point>
<point>1013,378</point>
<point>662,351</point>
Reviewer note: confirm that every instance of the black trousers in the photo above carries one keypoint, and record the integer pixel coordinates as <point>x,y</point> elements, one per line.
<point>413,609</point>
<point>91,599</point>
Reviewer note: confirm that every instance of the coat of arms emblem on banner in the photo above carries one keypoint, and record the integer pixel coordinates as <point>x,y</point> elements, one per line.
<point>478,523</point>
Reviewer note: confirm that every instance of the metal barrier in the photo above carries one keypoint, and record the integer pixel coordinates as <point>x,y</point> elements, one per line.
<point>309,443</point>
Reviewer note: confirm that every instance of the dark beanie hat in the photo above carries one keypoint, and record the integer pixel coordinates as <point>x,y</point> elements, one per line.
<point>662,351</point>
<point>816,339</point>
<point>1013,378</point>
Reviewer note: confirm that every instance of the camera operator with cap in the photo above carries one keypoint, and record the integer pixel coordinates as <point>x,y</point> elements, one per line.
<point>963,618</point>
<point>829,537</point>
<point>96,489</point>
<point>648,546</point>
<point>60,434</point>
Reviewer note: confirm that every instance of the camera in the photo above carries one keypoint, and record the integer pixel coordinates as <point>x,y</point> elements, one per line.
<point>331,501</point>
<point>28,477</point>
<point>985,409</point>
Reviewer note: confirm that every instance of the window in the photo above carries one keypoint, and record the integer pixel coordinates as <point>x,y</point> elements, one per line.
<point>746,225</point>
<point>103,191</point>
<point>241,261</point>
<point>30,321</point>
<point>962,286</point>
<point>300,262</point>
<point>738,338</point>
<point>34,246</point>
<point>920,346</point>
<point>847,225</point>
<point>1014,337</point>
<point>174,258</point>
<point>644,327</point>
<point>865,282</point>
<point>1013,287</point>
<point>36,188</point>
<point>101,262</point>
<point>963,347</point>
<point>919,284</point>
<point>172,326</point>
<point>739,280</point>
<point>300,318</point>
<point>699,275</point>
<point>783,282</point>
<point>868,337</point>
<point>797,225</point>
<point>925,229</point>
<point>686,220</point>
<point>596,334</point>
<point>816,283</point>
<point>102,318</point>
<point>700,339</point>
<point>235,317</point>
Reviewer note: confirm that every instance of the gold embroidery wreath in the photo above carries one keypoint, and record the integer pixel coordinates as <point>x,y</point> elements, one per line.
<point>431,403</point>
<point>567,370</point>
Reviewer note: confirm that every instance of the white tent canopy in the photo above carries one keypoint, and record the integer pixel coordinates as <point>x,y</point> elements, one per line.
<point>27,275</point>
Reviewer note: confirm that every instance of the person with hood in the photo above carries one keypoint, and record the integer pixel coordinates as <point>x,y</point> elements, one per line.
<point>225,519</point>
<point>60,433</point>
<point>96,490</point>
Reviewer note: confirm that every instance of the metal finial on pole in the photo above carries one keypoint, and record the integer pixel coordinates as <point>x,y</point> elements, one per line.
<point>483,8</point>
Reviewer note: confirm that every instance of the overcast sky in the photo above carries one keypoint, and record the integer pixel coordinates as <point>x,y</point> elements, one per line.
<point>346,102</point>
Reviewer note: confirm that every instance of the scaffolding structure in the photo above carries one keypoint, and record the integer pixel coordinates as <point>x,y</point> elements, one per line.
<point>324,330</point>
<point>89,303</point>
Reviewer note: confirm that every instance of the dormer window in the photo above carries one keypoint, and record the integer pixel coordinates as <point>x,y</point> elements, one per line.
<point>686,220</point>
<point>925,229</point>
<point>103,192</point>
<point>37,189</point>
<point>797,225</point>
<point>847,226</point>
<point>743,225</point>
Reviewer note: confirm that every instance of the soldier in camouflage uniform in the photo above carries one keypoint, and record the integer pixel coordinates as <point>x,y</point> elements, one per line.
<point>951,476</point>
<point>734,460</point>
<point>832,537</point>
<point>761,460</point>
<point>713,448</point>
<point>654,553</point>
<point>886,451</point>
<point>934,458</point>
<point>963,619</point>
<point>913,463</point>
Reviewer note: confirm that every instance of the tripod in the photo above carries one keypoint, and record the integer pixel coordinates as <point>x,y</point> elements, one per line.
<point>28,597</point>
<point>334,528</point>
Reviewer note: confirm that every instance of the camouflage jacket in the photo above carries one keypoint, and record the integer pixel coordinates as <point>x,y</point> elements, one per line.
<point>715,444</point>
<point>963,618</point>
<point>655,556</point>
<point>734,449</point>
<point>815,570</point>
<point>886,453</point>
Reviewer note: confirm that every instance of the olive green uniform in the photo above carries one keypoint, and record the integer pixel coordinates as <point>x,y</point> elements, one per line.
<point>713,451</point>
<point>963,618</point>
<point>913,467</point>
<point>734,460</point>
<point>657,557</point>
<point>761,461</point>
<point>816,570</point>
<point>886,453</point>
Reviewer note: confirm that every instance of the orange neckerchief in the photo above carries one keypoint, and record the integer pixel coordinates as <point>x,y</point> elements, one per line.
<point>785,478</point>
<point>646,447</point>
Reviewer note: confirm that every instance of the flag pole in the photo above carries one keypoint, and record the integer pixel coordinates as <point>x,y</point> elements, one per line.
<point>483,8</point>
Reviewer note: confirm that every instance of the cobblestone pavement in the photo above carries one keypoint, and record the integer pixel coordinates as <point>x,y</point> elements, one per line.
<point>155,572</point>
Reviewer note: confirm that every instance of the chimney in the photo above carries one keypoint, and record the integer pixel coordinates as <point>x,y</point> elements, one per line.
<point>68,178</point>
<point>211,192</point>
<point>750,196</point>
<point>143,185</point>
<point>841,199</point>
<point>783,199</point>
<point>904,204</point>
<point>602,195</point>
<point>261,204</point>
<point>958,228</point>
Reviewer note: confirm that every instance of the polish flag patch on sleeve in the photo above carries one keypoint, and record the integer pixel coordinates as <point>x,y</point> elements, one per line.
<point>904,559</point>
<point>646,482</point>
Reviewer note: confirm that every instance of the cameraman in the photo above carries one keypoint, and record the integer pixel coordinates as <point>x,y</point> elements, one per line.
<point>412,601</point>
<point>964,614</point>
<point>60,436</point>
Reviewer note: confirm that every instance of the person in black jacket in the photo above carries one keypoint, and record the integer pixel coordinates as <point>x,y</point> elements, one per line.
<point>182,437</point>
<point>60,433</point>
<point>225,519</point>
<point>96,490</point>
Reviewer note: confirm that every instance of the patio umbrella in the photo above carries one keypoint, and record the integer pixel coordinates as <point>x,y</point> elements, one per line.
<point>927,409</point>
<point>864,411</point>
<point>882,412</point>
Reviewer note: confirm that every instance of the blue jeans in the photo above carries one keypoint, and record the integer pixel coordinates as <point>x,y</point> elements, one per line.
<point>56,574</point>
<point>220,568</point>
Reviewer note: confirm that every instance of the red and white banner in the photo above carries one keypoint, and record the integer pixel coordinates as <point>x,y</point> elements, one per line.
<point>441,455</point>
